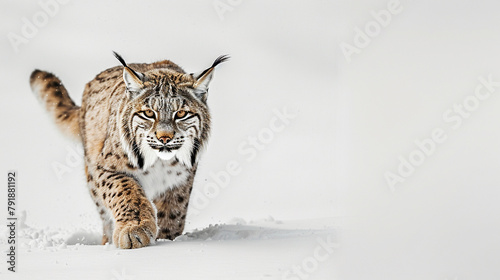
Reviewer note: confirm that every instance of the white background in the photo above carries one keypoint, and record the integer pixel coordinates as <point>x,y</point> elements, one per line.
<point>355,116</point>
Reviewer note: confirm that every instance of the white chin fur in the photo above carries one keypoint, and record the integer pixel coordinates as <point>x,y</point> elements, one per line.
<point>183,154</point>
<point>165,155</point>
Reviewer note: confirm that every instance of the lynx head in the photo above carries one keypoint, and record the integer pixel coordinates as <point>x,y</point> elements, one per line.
<point>166,114</point>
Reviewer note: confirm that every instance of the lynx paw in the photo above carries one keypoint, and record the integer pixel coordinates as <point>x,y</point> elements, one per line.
<point>131,235</point>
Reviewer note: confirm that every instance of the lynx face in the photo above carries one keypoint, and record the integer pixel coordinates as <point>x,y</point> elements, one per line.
<point>167,119</point>
<point>169,122</point>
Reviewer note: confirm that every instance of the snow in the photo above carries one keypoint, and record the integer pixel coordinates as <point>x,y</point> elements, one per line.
<point>265,208</point>
<point>216,252</point>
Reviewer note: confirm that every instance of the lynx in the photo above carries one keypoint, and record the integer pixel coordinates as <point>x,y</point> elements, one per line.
<point>143,127</point>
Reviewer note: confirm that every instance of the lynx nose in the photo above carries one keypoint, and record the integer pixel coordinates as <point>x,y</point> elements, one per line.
<point>164,137</point>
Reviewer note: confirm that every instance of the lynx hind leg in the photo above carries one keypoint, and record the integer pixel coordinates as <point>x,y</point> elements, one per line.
<point>107,231</point>
<point>171,211</point>
<point>107,225</point>
<point>107,222</point>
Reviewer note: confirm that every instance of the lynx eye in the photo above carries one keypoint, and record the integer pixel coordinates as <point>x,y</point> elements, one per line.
<point>149,113</point>
<point>180,114</point>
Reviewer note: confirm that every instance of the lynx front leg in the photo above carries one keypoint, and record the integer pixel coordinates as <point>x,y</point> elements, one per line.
<point>134,215</point>
<point>172,209</point>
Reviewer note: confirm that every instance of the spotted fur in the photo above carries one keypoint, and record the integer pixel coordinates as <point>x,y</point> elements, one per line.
<point>143,127</point>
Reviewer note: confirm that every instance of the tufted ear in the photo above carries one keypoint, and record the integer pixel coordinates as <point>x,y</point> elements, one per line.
<point>204,77</point>
<point>133,79</point>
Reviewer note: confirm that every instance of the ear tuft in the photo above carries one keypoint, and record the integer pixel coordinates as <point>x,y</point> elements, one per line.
<point>133,80</point>
<point>120,58</point>
<point>204,77</point>
<point>220,59</point>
